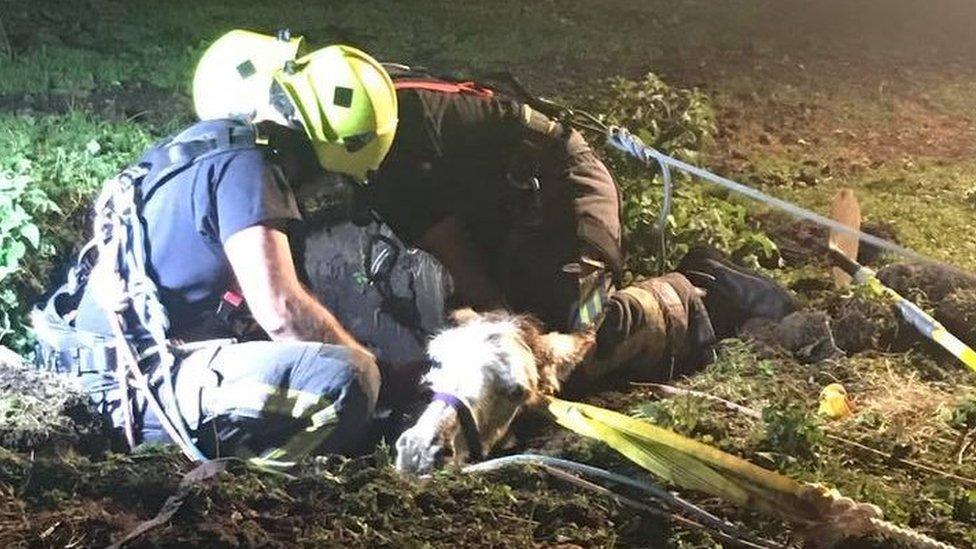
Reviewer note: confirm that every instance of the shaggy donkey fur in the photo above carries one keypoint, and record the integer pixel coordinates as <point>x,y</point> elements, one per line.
<point>497,363</point>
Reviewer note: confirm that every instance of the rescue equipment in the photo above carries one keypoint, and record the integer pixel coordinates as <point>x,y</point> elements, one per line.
<point>113,265</point>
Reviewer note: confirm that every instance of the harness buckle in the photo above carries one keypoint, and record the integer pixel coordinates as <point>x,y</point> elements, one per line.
<point>230,303</point>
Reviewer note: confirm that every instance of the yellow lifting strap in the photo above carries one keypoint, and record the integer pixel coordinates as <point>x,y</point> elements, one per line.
<point>685,462</point>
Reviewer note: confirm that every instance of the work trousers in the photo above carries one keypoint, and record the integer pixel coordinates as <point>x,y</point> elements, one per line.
<point>277,401</point>
<point>273,402</point>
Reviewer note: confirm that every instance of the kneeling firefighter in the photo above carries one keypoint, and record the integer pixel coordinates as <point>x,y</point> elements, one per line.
<point>523,214</point>
<point>153,317</point>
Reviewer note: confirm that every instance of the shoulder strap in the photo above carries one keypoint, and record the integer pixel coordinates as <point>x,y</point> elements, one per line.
<point>420,78</point>
<point>202,140</point>
<point>469,87</point>
<point>211,137</point>
<point>199,141</point>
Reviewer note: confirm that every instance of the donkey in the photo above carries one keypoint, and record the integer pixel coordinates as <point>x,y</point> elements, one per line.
<point>486,367</point>
<point>485,370</point>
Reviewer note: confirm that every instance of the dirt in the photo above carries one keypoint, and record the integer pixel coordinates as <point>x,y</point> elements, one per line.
<point>804,335</point>
<point>326,503</point>
<point>802,242</point>
<point>130,102</point>
<point>861,324</point>
<point>930,282</point>
<point>834,143</point>
<point>47,414</point>
<point>958,313</point>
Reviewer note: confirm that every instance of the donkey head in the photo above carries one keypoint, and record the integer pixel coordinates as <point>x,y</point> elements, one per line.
<point>485,370</point>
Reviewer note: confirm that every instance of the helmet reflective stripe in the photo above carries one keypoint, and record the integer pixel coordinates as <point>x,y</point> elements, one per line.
<point>347,104</point>
<point>235,73</point>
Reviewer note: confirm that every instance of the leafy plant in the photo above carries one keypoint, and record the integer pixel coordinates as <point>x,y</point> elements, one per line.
<point>792,431</point>
<point>964,415</point>
<point>678,122</point>
<point>20,206</point>
<point>50,166</point>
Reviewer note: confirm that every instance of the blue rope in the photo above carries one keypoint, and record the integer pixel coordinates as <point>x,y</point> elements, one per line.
<point>621,139</point>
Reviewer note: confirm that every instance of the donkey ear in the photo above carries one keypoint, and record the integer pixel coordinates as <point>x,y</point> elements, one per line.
<point>460,317</point>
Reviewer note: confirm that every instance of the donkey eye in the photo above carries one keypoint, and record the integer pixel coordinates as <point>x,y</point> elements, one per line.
<point>516,392</point>
<point>444,453</point>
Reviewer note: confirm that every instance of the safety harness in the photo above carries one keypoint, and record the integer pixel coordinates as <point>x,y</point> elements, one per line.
<point>406,77</point>
<point>113,265</point>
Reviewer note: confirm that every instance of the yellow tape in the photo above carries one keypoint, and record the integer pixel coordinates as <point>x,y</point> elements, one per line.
<point>952,344</point>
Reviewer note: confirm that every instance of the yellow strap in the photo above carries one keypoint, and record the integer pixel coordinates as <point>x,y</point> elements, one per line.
<point>688,463</point>
<point>952,344</point>
<point>936,332</point>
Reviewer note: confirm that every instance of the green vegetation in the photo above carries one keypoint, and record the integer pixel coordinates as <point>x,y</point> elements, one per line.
<point>681,122</point>
<point>964,415</point>
<point>791,431</point>
<point>51,166</point>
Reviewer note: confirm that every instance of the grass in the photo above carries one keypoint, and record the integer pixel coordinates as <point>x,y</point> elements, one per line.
<point>935,221</point>
<point>896,412</point>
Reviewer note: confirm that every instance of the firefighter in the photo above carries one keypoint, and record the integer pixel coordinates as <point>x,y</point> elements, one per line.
<point>200,225</point>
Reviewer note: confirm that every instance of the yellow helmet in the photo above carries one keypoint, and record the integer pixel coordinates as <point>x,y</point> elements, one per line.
<point>235,73</point>
<point>346,102</point>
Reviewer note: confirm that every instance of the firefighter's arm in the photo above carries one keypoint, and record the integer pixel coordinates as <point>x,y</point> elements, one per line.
<point>450,244</point>
<point>265,271</point>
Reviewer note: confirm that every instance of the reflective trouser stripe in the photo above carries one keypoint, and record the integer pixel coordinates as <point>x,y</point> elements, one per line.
<point>276,401</point>
<point>262,398</point>
<point>301,443</point>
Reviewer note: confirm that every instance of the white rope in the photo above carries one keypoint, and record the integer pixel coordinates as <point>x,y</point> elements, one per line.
<point>907,536</point>
<point>623,140</point>
<point>713,522</point>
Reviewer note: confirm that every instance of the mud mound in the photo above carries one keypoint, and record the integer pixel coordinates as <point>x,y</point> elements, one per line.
<point>804,335</point>
<point>802,242</point>
<point>958,313</point>
<point>930,281</point>
<point>328,503</point>
<point>861,324</point>
<point>45,413</point>
<point>870,255</point>
<point>135,101</point>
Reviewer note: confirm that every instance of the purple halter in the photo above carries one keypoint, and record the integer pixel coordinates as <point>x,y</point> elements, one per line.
<point>468,425</point>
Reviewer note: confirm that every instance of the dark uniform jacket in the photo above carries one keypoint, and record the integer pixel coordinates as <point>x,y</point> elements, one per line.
<point>529,192</point>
